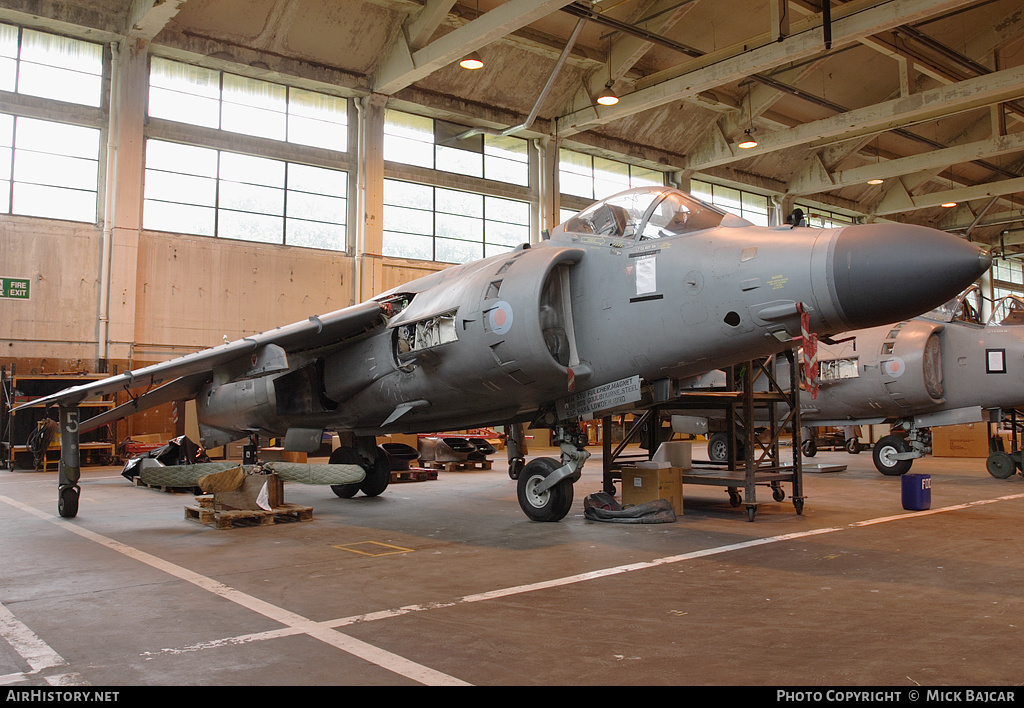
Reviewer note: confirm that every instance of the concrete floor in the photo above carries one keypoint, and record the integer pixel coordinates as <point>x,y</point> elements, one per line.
<point>447,582</point>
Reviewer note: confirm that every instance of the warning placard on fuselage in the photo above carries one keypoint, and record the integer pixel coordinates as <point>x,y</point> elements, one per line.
<point>599,398</point>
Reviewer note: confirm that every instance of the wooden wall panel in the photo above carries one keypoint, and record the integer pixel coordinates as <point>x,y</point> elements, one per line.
<point>61,260</point>
<point>193,291</point>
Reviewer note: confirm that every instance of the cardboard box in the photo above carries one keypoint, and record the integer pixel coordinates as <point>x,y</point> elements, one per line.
<point>967,440</point>
<point>650,481</point>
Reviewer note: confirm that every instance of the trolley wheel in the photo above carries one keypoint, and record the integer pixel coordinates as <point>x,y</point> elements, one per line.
<point>853,446</point>
<point>798,505</point>
<point>735,498</point>
<point>883,454</point>
<point>751,512</point>
<point>1000,465</point>
<point>778,494</point>
<point>809,448</point>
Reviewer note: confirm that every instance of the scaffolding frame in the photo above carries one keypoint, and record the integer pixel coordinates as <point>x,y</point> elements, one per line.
<point>754,421</point>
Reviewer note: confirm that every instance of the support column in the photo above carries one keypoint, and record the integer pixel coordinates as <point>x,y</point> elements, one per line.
<point>368,242</point>
<point>123,220</point>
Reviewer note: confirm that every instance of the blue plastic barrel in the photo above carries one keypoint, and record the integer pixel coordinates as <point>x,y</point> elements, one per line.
<point>917,491</point>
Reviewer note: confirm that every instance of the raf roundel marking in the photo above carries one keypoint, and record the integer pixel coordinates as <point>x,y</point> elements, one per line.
<point>500,318</point>
<point>894,367</point>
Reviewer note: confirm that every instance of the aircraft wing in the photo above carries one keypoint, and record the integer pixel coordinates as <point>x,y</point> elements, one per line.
<point>256,355</point>
<point>179,389</point>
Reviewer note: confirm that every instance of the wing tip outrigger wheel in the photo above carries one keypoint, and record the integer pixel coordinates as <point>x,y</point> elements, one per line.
<point>67,500</point>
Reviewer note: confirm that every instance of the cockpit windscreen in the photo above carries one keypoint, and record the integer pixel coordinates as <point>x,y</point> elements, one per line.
<point>645,213</point>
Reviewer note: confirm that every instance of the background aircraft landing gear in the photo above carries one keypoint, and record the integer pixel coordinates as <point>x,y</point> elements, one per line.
<point>515,444</point>
<point>1002,465</point>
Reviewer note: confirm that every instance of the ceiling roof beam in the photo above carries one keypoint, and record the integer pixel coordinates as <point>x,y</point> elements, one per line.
<point>899,200</point>
<point>147,17</point>
<point>851,22</point>
<point>629,49</point>
<point>881,117</point>
<point>419,29</point>
<point>405,66</point>
<point>807,183</point>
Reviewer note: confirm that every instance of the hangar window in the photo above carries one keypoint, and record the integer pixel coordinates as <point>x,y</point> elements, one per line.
<point>823,218</point>
<point>438,224</point>
<point>591,177</point>
<point>1008,271</point>
<point>435,144</point>
<point>49,66</point>
<point>748,205</point>
<point>238,104</point>
<point>48,169</point>
<point>209,192</point>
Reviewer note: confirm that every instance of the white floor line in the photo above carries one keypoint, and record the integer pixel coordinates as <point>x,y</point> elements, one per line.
<point>37,654</point>
<point>375,655</point>
<point>583,577</point>
<point>325,631</point>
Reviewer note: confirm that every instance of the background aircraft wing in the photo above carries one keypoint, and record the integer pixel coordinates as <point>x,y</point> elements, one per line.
<point>256,355</point>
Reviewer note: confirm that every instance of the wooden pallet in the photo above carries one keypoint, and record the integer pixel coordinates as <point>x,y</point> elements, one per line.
<point>204,513</point>
<point>137,481</point>
<point>456,466</point>
<point>413,474</point>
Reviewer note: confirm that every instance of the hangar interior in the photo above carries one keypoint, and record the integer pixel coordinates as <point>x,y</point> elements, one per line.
<point>178,173</point>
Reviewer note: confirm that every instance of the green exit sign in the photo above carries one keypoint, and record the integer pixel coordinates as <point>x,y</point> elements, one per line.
<point>16,288</point>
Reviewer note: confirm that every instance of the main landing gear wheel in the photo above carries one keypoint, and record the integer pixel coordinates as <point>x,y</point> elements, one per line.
<point>67,501</point>
<point>548,505</point>
<point>378,473</point>
<point>1000,465</point>
<point>884,456</point>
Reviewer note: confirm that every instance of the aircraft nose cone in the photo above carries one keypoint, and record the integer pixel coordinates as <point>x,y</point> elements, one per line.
<point>888,272</point>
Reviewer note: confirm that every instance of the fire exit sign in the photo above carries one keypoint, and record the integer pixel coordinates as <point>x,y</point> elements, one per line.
<point>16,288</point>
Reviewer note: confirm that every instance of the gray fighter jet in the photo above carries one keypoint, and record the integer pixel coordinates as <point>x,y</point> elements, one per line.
<point>646,286</point>
<point>946,367</point>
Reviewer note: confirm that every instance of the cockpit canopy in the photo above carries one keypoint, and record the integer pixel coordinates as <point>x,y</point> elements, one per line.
<point>647,213</point>
<point>965,307</point>
<point>1007,311</point>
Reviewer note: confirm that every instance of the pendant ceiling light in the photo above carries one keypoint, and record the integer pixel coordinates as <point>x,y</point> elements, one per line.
<point>748,140</point>
<point>472,61</point>
<point>608,97</point>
